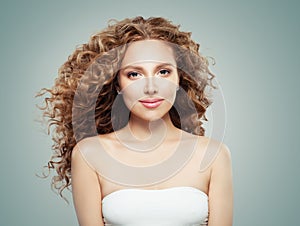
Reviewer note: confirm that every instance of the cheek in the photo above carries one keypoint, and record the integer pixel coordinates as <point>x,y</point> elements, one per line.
<point>132,92</point>
<point>169,96</point>
<point>167,89</point>
<point>130,98</point>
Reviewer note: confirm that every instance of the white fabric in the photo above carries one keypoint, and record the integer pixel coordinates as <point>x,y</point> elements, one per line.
<point>177,206</point>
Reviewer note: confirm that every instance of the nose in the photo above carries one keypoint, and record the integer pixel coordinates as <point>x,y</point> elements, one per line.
<point>150,86</point>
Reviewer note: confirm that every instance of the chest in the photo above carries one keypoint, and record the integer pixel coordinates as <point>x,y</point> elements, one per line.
<point>183,170</point>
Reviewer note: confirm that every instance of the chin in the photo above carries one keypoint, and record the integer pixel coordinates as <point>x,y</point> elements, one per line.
<point>150,118</point>
<point>150,115</point>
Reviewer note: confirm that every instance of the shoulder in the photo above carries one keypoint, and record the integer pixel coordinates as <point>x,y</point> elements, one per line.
<point>87,144</point>
<point>84,151</point>
<point>91,151</point>
<point>224,153</point>
<point>222,158</point>
<point>213,153</point>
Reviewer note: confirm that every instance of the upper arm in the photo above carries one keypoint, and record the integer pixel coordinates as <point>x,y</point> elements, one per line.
<point>86,191</point>
<point>221,190</point>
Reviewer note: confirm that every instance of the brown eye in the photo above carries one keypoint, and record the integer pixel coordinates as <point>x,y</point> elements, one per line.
<point>133,75</point>
<point>164,72</point>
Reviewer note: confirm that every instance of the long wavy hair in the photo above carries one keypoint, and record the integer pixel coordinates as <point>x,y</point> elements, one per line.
<point>64,115</point>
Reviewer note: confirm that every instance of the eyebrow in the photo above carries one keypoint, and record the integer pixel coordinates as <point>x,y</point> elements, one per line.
<point>141,68</point>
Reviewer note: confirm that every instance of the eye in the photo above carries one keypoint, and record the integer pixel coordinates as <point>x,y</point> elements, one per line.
<point>133,75</point>
<point>164,72</point>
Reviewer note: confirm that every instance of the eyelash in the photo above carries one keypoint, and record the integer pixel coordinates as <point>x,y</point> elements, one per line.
<point>129,74</point>
<point>132,72</point>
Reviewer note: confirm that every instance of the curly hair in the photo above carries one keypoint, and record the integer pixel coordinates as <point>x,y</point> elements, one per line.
<point>59,107</point>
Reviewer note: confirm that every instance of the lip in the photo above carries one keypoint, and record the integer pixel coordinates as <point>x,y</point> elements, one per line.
<point>151,103</point>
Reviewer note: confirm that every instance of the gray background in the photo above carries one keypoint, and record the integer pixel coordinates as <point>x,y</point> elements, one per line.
<point>256,46</point>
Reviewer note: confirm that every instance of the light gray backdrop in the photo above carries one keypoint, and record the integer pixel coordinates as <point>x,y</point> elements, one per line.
<point>256,46</point>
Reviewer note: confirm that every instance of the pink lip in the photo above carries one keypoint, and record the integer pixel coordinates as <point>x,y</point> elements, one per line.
<point>151,103</point>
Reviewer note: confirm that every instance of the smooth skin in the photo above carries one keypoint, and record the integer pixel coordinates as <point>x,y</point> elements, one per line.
<point>86,185</point>
<point>86,190</point>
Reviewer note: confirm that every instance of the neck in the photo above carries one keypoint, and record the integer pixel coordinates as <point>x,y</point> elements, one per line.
<point>143,130</point>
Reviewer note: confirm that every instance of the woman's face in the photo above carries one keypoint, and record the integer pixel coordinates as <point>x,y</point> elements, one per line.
<point>148,79</point>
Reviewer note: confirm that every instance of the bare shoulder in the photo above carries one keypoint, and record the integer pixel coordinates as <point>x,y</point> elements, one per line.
<point>87,144</point>
<point>222,153</point>
<point>212,152</point>
<point>83,152</point>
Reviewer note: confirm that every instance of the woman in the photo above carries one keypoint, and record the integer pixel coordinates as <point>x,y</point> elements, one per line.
<point>127,109</point>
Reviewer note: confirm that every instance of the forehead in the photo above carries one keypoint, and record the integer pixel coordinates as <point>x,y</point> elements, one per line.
<point>148,50</point>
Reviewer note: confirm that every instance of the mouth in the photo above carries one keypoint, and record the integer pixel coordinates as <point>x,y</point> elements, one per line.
<point>151,102</point>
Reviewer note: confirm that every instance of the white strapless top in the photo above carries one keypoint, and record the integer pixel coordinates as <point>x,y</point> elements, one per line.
<point>177,206</point>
